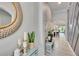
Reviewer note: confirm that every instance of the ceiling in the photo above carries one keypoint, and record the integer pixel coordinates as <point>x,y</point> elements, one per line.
<point>59,12</point>
<point>56,6</point>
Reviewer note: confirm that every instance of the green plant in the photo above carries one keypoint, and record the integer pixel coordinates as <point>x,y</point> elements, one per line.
<point>31,37</point>
<point>50,32</point>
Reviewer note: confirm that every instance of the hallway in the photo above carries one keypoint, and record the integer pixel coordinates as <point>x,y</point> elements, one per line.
<point>61,47</point>
<point>61,18</point>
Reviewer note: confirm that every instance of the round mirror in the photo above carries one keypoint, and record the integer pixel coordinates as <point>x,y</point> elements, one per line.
<point>10,18</point>
<point>7,13</point>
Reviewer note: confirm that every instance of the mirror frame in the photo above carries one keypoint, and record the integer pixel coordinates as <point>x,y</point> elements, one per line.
<point>13,26</point>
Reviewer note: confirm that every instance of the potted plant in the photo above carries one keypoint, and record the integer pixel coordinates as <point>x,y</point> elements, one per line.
<point>50,35</point>
<point>31,39</point>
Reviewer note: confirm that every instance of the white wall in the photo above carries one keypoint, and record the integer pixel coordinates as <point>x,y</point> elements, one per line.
<point>30,23</point>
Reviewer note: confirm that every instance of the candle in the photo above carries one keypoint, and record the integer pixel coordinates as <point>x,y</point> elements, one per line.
<point>25,36</point>
<point>25,51</point>
<point>24,44</point>
<point>19,42</point>
<point>17,52</point>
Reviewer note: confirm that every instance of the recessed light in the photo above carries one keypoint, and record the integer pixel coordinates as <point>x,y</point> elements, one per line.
<point>59,2</point>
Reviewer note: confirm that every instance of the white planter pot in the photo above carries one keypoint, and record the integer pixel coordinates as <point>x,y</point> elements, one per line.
<point>31,45</point>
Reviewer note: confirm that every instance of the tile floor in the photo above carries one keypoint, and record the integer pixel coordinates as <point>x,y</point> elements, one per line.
<point>61,47</point>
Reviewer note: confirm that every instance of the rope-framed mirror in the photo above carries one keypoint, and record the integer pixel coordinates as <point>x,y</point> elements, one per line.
<point>10,18</point>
